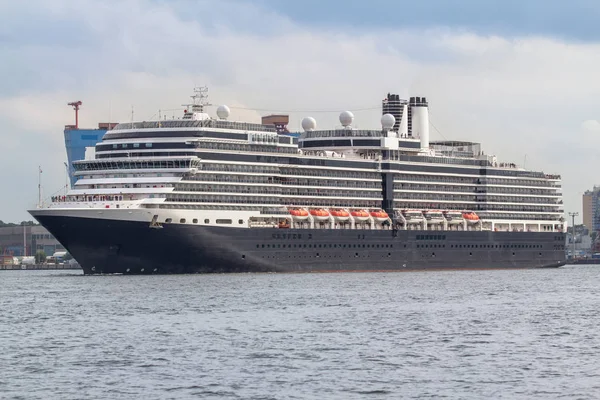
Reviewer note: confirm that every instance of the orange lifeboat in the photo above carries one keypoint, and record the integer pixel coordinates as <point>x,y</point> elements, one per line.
<point>319,213</point>
<point>298,214</point>
<point>379,215</point>
<point>471,217</point>
<point>360,215</point>
<point>340,215</point>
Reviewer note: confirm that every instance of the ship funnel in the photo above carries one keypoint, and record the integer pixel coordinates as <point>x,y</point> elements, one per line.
<point>420,120</point>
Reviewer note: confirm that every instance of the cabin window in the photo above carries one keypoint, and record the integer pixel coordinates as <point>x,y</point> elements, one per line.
<point>206,221</point>
<point>168,220</point>
<point>182,220</point>
<point>136,145</point>
<point>223,221</point>
<point>241,221</point>
<point>195,220</point>
<point>148,144</point>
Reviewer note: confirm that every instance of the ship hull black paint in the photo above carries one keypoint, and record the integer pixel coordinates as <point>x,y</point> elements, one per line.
<point>111,246</point>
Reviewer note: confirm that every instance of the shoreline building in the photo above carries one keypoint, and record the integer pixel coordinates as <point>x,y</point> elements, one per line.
<point>77,139</point>
<point>589,207</point>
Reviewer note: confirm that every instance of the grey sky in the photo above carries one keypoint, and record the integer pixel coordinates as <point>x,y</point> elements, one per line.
<point>519,79</point>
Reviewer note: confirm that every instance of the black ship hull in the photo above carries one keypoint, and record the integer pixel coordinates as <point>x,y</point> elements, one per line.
<point>104,246</point>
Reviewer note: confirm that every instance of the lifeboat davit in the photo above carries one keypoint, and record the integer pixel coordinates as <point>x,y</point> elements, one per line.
<point>379,215</point>
<point>454,217</point>
<point>340,215</point>
<point>471,217</point>
<point>360,215</point>
<point>433,216</point>
<point>298,214</point>
<point>320,213</point>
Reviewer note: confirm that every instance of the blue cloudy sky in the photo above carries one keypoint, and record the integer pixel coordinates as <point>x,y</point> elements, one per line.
<point>518,76</point>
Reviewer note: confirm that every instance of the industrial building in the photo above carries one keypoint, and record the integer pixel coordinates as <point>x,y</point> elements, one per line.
<point>590,205</point>
<point>77,139</point>
<point>23,240</point>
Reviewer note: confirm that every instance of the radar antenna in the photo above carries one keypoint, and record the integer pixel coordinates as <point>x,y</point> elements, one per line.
<point>199,99</point>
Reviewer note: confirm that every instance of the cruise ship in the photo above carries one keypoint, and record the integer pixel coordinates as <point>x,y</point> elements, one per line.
<point>201,193</point>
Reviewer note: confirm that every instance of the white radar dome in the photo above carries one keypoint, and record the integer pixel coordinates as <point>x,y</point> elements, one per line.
<point>223,112</point>
<point>309,124</point>
<point>388,121</point>
<point>346,118</point>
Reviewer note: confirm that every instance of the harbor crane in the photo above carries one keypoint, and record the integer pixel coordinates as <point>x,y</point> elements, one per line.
<point>76,105</point>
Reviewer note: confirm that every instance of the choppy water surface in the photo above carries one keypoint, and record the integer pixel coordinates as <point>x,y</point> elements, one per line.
<point>464,334</point>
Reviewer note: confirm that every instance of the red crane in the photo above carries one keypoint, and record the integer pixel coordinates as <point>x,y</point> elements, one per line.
<point>76,105</point>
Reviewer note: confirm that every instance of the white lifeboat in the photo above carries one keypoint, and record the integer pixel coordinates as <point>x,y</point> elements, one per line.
<point>359,215</point>
<point>379,215</point>
<point>433,216</point>
<point>413,216</point>
<point>320,214</point>
<point>298,214</point>
<point>471,217</point>
<point>339,214</point>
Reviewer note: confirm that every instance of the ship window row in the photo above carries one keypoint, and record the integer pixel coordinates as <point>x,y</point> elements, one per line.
<point>475,181</point>
<point>295,202</point>
<point>517,199</point>
<point>220,221</point>
<point>519,216</point>
<point>471,189</point>
<point>133,185</point>
<point>136,175</point>
<point>146,154</point>
<point>140,145</point>
<point>311,172</point>
<point>431,237</point>
<point>436,178</point>
<point>504,189</point>
<point>330,173</point>
<point>133,164</point>
<point>255,148</point>
<point>440,160</point>
<point>278,180</point>
<point>477,198</point>
<point>278,191</point>
<point>324,245</point>
<point>401,204</point>
<point>519,182</point>
<point>182,123</point>
<point>243,168</point>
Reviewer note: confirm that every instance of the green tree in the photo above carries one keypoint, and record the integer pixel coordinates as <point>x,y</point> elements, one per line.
<point>40,257</point>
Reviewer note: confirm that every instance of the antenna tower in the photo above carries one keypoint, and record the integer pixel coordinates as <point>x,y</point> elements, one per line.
<point>199,99</point>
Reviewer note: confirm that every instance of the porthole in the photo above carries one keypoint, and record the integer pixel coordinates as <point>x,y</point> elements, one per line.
<point>182,221</point>
<point>241,221</point>
<point>168,220</point>
<point>195,220</point>
<point>206,221</point>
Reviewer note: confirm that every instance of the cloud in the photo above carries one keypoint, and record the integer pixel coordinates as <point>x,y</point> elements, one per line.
<point>517,95</point>
<point>591,125</point>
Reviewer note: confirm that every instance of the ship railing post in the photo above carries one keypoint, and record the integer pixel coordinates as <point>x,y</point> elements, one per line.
<point>398,215</point>
<point>352,222</point>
